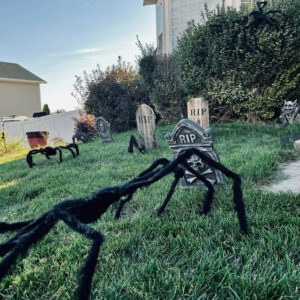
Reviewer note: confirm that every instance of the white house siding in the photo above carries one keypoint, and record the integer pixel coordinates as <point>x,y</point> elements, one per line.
<point>172,17</point>
<point>58,125</point>
<point>20,99</point>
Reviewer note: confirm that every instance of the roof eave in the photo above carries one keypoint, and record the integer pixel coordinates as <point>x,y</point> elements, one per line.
<point>22,80</point>
<point>149,2</point>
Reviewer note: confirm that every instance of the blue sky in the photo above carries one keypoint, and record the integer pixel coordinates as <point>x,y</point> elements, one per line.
<point>58,39</point>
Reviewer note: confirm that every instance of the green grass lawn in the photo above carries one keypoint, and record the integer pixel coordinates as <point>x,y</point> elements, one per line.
<point>178,256</point>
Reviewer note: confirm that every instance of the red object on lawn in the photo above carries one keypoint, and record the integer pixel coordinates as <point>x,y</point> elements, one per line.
<point>37,139</point>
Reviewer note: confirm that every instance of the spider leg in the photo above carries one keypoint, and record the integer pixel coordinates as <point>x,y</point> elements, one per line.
<point>121,204</point>
<point>76,148</point>
<point>272,12</point>
<point>160,161</point>
<point>210,189</point>
<point>68,148</point>
<point>245,40</point>
<point>170,193</point>
<point>22,243</point>
<point>237,190</point>
<point>4,227</point>
<point>60,154</point>
<point>252,32</point>
<point>87,272</point>
<point>272,22</point>
<point>29,158</point>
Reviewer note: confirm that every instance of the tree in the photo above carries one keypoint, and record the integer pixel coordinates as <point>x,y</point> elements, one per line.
<point>46,109</point>
<point>114,94</point>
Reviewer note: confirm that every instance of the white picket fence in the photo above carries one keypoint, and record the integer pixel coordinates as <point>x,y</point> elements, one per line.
<point>58,125</point>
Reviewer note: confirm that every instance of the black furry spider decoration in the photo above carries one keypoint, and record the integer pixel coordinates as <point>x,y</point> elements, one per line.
<point>76,213</point>
<point>50,151</point>
<point>133,142</point>
<point>250,24</point>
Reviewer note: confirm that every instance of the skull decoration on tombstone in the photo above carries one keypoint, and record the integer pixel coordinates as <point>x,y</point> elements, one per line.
<point>289,112</point>
<point>145,120</point>
<point>187,134</point>
<point>103,128</point>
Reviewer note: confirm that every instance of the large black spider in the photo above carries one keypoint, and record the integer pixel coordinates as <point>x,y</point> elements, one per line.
<point>133,142</point>
<point>50,151</point>
<point>249,25</point>
<point>76,213</point>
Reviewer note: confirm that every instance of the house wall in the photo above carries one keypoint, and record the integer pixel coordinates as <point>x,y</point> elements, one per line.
<point>58,125</point>
<point>20,99</point>
<point>175,15</point>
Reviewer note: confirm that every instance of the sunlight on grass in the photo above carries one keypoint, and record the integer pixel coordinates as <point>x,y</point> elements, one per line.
<point>9,157</point>
<point>7,184</point>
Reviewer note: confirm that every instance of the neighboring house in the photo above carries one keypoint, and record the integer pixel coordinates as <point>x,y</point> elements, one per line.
<point>172,17</point>
<point>19,91</point>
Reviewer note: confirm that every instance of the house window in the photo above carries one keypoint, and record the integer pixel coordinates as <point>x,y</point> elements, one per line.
<point>160,19</point>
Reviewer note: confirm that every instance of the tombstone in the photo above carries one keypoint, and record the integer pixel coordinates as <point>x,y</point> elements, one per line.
<point>198,111</point>
<point>145,120</point>
<point>103,128</point>
<point>187,134</point>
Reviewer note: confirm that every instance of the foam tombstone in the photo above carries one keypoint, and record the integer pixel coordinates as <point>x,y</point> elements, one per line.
<point>187,134</point>
<point>103,128</point>
<point>145,120</point>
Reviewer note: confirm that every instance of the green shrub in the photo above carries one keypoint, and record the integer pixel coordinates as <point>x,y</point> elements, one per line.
<point>85,127</point>
<point>117,102</point>
<point>10,145</point>
<point>113,94</point>
<point>161,82</point>
<point>239,84</point>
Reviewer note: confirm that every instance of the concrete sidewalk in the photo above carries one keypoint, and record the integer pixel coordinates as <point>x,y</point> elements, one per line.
<point>290,181</point>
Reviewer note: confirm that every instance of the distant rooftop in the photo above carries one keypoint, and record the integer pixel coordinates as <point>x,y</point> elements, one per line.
<point>149,2</point>
<point>15,72</point>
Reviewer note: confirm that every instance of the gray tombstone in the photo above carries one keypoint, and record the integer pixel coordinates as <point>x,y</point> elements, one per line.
<point>145,120</point>
<point>103,128</point>
<point>187,134</point>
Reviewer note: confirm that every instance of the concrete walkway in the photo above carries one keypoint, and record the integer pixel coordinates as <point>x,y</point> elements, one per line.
<point>290,181</point>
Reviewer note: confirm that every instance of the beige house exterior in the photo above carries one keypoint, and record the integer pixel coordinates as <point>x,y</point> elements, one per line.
<point>19,91</point>
<point>172,17</point>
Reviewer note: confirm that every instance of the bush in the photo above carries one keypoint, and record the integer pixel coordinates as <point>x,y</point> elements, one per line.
<point>160,80</point>
<point>46,109</point>
<point>84,128</point>
<point>240,84</point>
<point>113,94</point>
<point>10,146</point>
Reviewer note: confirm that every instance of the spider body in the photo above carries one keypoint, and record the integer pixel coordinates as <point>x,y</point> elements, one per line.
<point>50,151</point>
<point>77,213</point>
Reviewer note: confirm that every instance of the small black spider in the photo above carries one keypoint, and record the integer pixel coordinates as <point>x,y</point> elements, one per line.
<point>50,151</point>
<point>77,213</point>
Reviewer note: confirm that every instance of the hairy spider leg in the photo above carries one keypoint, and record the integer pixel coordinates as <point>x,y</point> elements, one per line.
<point>210,189</point>
<point>121,204</point>
<point>27,227</point>
<point>74,146</point>
<point>4,227</point>
<point>29,158</point>
<point>156,163</point>
<point>133,142</point>
<point>87,272</point>
<point>68,148</point>
<point>60,154</point>
<point>237,190</point>
<point>23,242</point>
